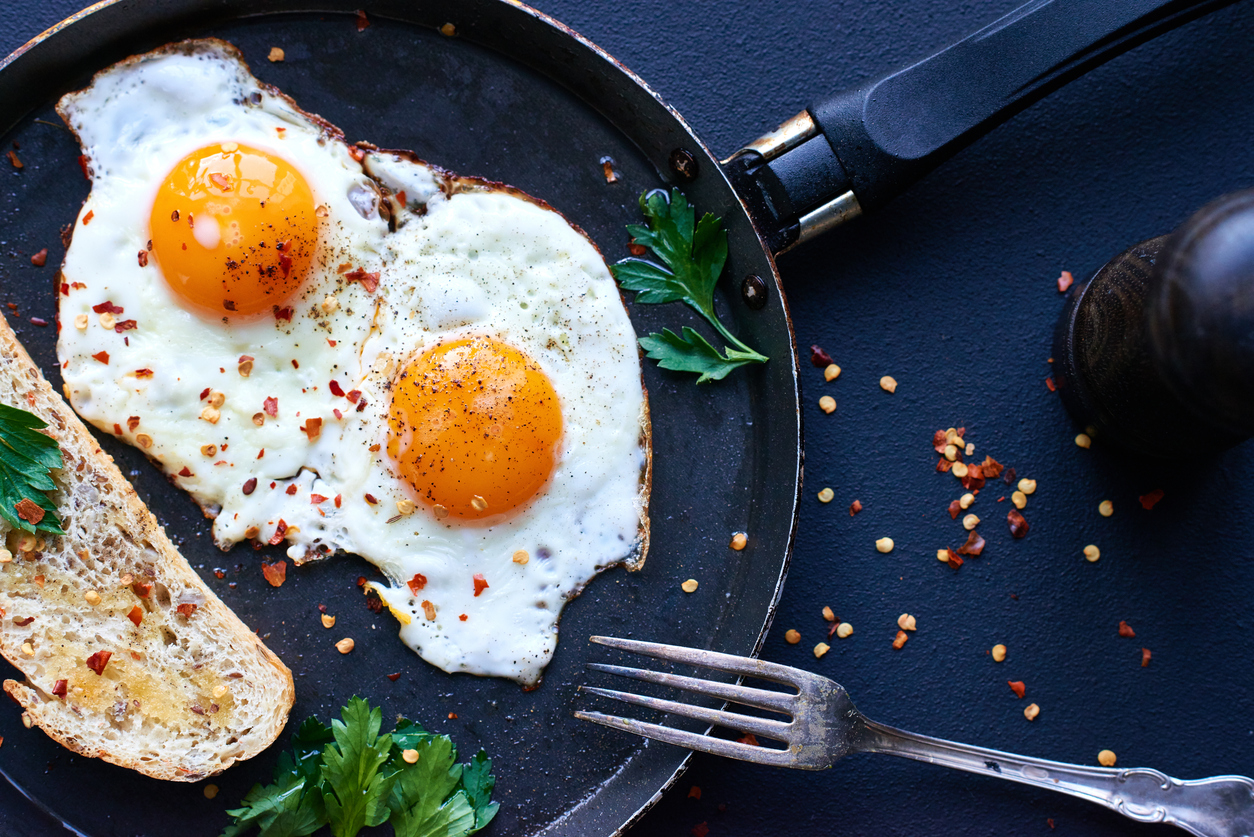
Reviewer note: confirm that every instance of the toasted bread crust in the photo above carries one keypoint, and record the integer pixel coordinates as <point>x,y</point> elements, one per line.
<point>184,695</point>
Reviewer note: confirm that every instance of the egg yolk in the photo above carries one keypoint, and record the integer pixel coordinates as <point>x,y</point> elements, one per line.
<point>474,427</point>
<point>233,230</point>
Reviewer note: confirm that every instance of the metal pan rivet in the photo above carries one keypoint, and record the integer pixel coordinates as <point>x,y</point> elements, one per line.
<point>684,164</point>
<point>753,292</point>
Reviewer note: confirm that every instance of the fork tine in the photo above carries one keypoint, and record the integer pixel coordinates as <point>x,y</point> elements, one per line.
<point>708,659</point>
<point>691,740</point>
<point>761,698</point>
<point>765,727</point>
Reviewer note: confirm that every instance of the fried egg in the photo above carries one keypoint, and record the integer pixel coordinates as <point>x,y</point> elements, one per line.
<point>351,350</point>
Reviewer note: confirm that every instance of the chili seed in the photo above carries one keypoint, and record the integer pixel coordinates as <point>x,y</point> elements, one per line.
<point>888,383</point>
<point>1106,758</point>
<point>521,557</point>
<point>689,586</point>
<point>1019,499</point>
<point>1083,441</point>
<point>328,621</point>
<point>345,645</point>
<point>884,545</point>
<point>1105,508</point>
<point>831,373</point>
<point>828,614</point>
<point>906,622</point>
<point>440,512</point>
<point>210,414</point>
<point>844,630</point>
<point>1092,553</point>
<point>821,649</point>
<point>999,652</point>
<point>951,452</point>
<point>108,321</point>
<point>970,522</point>
<point>208,450</point>
<point>211,791</point>
<point>92,597</point>
<point>1031,711</point>
<point>28,649</point>
<point>410,756</point>
<point>942,555</point>
<point>1027,486</point>
<point>405,506</point>
<point>478,503</point>
<point>959,470</point>
<point>827,404</point>
<point>966,500</point>
<point>792,637</point>
<point>5,556</point>
<point>739,541</point>
<point>826,495</point>
<point>80,322</point>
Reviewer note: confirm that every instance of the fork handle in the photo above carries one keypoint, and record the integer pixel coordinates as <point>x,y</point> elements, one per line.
<point>1221,806</point>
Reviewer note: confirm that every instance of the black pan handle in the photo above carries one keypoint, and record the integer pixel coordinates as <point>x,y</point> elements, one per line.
<point>861,148</point>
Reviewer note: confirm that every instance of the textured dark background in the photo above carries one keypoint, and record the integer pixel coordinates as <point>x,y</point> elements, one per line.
<point>951,291</point>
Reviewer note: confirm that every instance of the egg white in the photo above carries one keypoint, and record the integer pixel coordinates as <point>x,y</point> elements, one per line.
<point>457,258</point>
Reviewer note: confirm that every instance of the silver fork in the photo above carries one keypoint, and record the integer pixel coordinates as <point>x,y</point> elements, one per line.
<point>825,727</point>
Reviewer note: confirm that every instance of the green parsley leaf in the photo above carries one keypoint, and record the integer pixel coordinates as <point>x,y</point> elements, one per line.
<point>278,810</point>
<point>357,790</point>
<point>26,457</point>
<point>477,783</point>
<point>693,353</point>
<point>694,256</point>
<point>418,798</point>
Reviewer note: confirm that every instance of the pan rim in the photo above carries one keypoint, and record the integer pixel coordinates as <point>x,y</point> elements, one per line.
<point>221,11</point>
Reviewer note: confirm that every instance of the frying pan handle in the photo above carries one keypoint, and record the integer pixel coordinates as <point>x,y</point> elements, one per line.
<point>878,139</point>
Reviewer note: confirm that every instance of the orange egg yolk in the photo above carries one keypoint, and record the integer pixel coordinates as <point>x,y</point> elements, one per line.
<point>234,230</point>
<point>474,427</point>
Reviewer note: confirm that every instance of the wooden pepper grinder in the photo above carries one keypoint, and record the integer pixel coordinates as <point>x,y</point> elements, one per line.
<point>1156,351</point>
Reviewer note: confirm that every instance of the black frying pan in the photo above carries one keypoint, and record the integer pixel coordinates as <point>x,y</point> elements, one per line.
<point>518,98</point>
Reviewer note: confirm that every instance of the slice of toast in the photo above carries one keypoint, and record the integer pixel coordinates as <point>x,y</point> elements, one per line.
<point>188,689</point>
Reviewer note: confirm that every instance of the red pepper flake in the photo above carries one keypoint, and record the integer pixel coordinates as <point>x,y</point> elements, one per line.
<point>373,602</point>
<point>143,258</point>
<point>78,286</point>
<point>219,574</point>
<point>285,263</point>
<point>39,321</point>
<point>29,510</point>
<point>353,395</point>
<point>338,414</point>
<point>855,507</point>
<point>283,314</point>
<point>336,390</point>
<point>40,259</point>
<point>315,499</point>
<point>261,453</point>
<point>279,532</point>
<point>22,623</point>
<point>974,545</point>
<point>952,559</point>
<point>91,213</point>
<point>636,249</point>
<point>361,581</point>
<point>295,363</point>
<point>694,792</point>
<point>463,617</point>
<point>1018,526</point>
<point>124,325</point>
<point>60,687</point>
<point>107,307</point>
<point>1064,281</point>
<point>1148,501</point>
<point>394,677</point>
<point>990,468</point>
<point>369,281</point>
<point>103,357</point>
<point>452,716</point>
<point>481,584</point>
<point>271,407</point>
<point>143,589</point>
<point>1050,822</point>
<point>1017,687</point>
<point>186,609</point>
<point>220,180</point>
<point>136,615</point>
<point>750,739</point>
<point>186,472</point>
<point>275,573</point>
<point>356,153</point>
<point>312,428</point>
<point>143,373</point>
<point>291,489</point>
<point>82,164</point>
<point>943,466</point>
<point>1145,657</point>
<point>1125,629</point>
<point>250,485</point>
<point>97,662</point>
<point>820,358</point>
<point>701,829</point>
<point>339,500</point>
<point>370,498</point>
<point>955,508</point>
<point>117,429</point>
<point>17,164</point>
<point>132,422</point>
<point>416,583</point>
<point>1008,476</point>
<point>65,289</point>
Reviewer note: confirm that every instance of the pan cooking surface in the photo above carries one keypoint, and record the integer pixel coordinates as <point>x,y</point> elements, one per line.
<point>465,108</point>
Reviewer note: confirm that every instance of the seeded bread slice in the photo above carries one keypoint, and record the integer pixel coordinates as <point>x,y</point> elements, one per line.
<point>187,691</point>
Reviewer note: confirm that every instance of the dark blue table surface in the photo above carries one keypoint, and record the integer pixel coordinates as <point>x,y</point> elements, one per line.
<point>951,291</point>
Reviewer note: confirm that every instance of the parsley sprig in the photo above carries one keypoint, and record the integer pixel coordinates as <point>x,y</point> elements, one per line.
<point>693,255</point>
<point>26,457</point>
<point>347,776</point>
